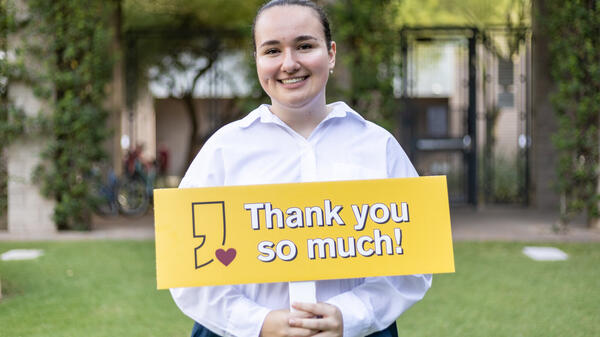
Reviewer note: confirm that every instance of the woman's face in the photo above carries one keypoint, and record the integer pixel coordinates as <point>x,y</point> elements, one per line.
<point>292,59</point>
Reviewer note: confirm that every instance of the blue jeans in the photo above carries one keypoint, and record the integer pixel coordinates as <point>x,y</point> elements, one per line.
<point>200,331</point>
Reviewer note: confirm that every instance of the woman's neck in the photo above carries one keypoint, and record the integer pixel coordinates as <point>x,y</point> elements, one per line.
<point>303,120</point>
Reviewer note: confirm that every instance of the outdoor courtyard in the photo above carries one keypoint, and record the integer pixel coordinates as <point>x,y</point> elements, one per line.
<point>104,103</point>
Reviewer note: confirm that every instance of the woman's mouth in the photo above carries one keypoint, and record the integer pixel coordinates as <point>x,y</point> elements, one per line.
<point>293,80</point>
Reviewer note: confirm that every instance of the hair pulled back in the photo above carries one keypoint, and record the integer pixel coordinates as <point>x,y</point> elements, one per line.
<point>305,3</point>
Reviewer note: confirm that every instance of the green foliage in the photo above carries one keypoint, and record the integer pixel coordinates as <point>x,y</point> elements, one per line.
<point>366,48</point>
<point>181,41</point>
<point>502,177</point>
<point>574,28</point>
<point>164,30</point>
<point>475,13</point>
<point>77,65</point>
<point>208,14</point>
<point>11,119</point>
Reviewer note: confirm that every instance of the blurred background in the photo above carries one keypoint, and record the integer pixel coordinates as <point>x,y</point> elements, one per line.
<point>103,101</point>
<point>499,96</point>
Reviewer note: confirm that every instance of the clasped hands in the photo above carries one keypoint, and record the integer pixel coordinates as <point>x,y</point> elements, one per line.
<point>309,319</point>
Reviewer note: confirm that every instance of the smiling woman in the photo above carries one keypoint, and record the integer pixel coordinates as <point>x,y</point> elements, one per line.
<point>293,61</point>
<point>298,138</point>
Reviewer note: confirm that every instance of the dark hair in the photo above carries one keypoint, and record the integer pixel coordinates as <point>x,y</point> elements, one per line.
<point>305,3</point>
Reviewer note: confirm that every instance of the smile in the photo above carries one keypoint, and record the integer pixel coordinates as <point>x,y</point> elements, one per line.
<point>293,80</point>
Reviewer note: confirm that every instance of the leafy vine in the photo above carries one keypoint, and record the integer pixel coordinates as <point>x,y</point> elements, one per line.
<point>12,120</point>
<point>574,26</point>
<point>77,66</point>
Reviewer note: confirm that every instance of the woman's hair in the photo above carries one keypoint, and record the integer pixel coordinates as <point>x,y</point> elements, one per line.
<point>305,3</point>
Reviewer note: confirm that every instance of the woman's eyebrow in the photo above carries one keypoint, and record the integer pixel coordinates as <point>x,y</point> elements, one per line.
<point>269,43</point>
<point>304,38</point>
<point>297,39</point>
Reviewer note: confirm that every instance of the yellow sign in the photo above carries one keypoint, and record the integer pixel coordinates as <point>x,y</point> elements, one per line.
<point>302,231</point>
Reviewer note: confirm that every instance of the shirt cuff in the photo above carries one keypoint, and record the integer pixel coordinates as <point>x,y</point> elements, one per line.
<point>246,320</point>
<point>356,314</point>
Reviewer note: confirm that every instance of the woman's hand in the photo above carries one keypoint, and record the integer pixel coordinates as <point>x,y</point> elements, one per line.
<point>277,324</point>
<point>322,317</point>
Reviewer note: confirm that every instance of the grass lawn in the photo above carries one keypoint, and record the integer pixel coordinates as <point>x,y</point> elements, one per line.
<point>91,288</point>
<point>107,288</point>
<point>498,291</point>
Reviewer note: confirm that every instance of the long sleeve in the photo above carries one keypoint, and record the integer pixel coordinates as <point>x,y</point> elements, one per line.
<point>379,301</point>
<point>224,310</point>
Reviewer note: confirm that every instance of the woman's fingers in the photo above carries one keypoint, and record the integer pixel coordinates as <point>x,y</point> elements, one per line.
<point>301,332</point>
<point>301,314</point>
<point>317,309</point>
<point>327,320</point>
<point>276,324</point>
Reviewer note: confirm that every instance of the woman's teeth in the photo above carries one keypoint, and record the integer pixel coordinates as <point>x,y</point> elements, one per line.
<point>293,80</point>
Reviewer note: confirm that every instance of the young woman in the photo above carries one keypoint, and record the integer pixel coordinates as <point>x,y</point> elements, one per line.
<point>298,138</point>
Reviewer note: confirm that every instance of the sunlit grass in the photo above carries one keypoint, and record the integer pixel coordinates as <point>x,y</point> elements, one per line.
<point>87,289</point>
<point>498,291</point>
<point>107,288</point>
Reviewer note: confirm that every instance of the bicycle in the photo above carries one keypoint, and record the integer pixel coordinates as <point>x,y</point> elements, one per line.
<point>104,185</point>
<point>134,191</point>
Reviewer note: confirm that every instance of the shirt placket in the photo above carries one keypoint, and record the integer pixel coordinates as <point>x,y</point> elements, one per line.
<point>308,162</point>
<point>305,291</point>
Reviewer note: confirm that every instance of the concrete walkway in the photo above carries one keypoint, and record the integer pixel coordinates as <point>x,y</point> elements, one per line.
<point>468,224</point>
<point>516,224</point>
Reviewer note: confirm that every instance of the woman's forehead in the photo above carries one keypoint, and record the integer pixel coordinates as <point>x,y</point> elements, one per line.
<point>288,21</point>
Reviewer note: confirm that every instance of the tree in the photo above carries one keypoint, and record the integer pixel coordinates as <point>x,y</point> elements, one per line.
<point>366,35</point>
<point>181,42</point>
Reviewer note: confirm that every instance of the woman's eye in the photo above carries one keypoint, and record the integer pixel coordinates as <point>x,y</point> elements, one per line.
<point>305,46</point>
<point>271,51</point>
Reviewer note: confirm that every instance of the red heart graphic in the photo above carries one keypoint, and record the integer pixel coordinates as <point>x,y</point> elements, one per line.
<point>225,256</point>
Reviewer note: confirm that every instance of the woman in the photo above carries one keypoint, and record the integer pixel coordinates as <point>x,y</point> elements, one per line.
<point>298,138</point>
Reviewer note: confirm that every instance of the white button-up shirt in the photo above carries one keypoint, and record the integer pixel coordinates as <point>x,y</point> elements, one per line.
<point>261,149</point>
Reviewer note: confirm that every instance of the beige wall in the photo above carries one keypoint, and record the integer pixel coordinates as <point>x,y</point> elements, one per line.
<point>140,125</point>
<point>173,126</point>
<point>172,132</point>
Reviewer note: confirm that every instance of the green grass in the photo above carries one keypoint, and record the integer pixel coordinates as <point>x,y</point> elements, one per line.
<point>498,291</point>
<point>87,289</point>
<point>108,289</point>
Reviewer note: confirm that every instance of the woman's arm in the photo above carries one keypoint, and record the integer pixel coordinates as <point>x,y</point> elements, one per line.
<point>225,310</point>
<point>222,309</point>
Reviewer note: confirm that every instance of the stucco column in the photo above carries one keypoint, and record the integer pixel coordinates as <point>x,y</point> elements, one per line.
<point>29,213</point>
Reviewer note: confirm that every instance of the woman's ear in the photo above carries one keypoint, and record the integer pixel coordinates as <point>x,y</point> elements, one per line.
<point>332,52</point>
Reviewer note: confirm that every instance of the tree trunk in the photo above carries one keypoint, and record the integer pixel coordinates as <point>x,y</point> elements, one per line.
<point>188,100</point>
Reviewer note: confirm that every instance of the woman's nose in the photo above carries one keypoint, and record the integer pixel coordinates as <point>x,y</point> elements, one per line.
<point>290,63</point>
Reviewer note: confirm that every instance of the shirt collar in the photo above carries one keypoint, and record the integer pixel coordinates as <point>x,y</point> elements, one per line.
<point>339,110</point>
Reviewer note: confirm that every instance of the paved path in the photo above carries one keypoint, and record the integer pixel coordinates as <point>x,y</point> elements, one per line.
<point>516,224</point>
<point>489,224</point>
